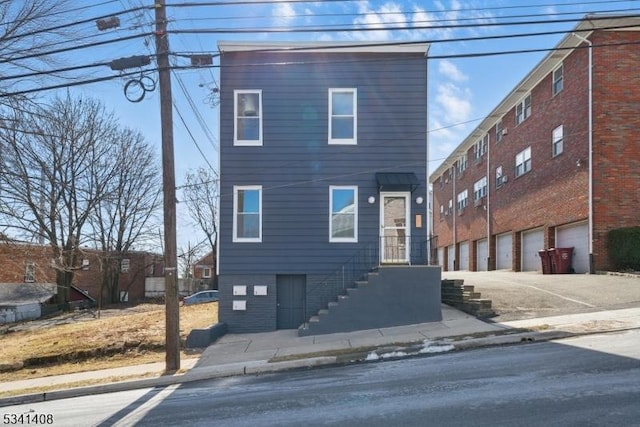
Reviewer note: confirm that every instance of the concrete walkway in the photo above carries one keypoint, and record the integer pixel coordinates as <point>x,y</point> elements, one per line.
<point>241,354</point>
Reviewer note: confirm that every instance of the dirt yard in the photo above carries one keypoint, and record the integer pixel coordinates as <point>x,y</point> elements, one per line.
<point>80,341</point>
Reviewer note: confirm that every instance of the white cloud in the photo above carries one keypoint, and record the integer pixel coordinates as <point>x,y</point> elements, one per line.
<point>389,14</point>
<point>454,101</point>
<point>283,13</point>
<point>449,70</point>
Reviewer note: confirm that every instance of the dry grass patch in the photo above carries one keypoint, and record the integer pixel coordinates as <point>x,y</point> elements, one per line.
<point>126,337</point>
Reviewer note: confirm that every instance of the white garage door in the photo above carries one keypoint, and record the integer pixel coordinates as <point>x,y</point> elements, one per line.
<point>532,242</point>
<point>441,256</point>
<point>504,249</point>
<point>576,236</point>
<point>451,256</point>
<point>482,253</point>
<point>464,256</point>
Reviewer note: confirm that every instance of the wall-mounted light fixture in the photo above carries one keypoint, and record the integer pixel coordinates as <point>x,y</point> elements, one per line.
<point>371,200</point>
<point>419,200</point>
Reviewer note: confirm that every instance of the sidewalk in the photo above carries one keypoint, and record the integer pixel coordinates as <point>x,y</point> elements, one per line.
<point>241,354</point>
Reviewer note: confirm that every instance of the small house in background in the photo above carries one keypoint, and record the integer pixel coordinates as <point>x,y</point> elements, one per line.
<point>26,301</point>
<point>204,272</point>
<point>27,263</point>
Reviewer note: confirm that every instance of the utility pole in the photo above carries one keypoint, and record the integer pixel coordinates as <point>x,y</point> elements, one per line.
<point>172,310</point>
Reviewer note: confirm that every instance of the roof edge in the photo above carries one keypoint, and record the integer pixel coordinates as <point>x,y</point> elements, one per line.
<point>333,47</point>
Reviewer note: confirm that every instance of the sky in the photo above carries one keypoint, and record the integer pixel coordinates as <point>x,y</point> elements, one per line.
<point>462,88</point>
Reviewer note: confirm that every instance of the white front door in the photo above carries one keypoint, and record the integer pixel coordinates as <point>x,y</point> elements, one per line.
<point>395,232</point>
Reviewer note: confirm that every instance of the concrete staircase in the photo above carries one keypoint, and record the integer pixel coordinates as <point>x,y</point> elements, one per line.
<point>463,297</point>
<point>391,296</point>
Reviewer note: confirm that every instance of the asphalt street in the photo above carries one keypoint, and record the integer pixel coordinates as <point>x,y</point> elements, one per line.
<point>588,380</point>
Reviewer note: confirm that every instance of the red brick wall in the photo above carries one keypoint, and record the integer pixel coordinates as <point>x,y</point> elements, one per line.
<point>15,256</point>
<point>555,191</point>
<point>616,139</point>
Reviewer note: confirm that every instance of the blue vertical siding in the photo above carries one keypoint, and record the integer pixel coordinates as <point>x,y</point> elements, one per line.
<point>296,165</point>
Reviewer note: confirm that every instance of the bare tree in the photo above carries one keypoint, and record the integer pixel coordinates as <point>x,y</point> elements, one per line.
<point>200,194</point>
<point>29,30</point>
<point>55,167</point>
<point>125,216</point>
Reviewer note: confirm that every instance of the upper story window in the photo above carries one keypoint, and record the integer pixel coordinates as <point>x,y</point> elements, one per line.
<point>523,161</point>
<point>247,213</point>
<point>480,188</point>
<point>30,272</point>
<point>247,107</point>
<point>463,200</point>
<point>206,273</point>
<point>557,137</point>
<point>343,116</point>
<point>480,147</point>
<point>343,208</point>
<point>500,131</point>
<point>558,79</point>
<point>523,109</point>
<point>500,177</point>
<point>125,265</point>
<point>461,164</point>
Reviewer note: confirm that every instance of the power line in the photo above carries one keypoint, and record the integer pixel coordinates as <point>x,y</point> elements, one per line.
<point>333,28</point>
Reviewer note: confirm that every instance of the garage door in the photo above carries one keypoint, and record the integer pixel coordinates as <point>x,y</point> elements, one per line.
<point>576,236</point>
<point>504,249</point>
<point>464,256</point>
<point>450,257</point>
<point>532,242</point>
<point>482,253</point>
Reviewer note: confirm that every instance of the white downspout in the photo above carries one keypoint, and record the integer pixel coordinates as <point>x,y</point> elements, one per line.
<point>454,208</point>
<point>591,266</point>
<point>488,205</point>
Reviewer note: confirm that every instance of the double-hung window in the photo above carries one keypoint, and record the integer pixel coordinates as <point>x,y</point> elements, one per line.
<point>463,200</point>
<point>480,148</point>
<point>461,164</point>
<point>247,213</point>
<point>558,80</point>
<point>523,161</point>
<point>480,189</point>
<point>30,272</point>
<point>500,177</point>
<point>343,116</point>
<point>523,109</point>
<point>499,131</point>
<point>557,137</point>
<point>343,214</point>
<point>247,107</point>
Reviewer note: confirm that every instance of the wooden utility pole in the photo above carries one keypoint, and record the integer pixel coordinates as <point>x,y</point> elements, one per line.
<point>172,310</point>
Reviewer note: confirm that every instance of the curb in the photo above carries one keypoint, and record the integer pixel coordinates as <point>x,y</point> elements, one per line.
<point>385,352</point>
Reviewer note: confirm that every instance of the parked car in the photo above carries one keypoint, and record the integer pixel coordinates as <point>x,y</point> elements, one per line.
<point>200,297</point>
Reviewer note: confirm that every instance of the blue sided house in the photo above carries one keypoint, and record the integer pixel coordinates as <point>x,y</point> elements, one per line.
<point>323,187</point>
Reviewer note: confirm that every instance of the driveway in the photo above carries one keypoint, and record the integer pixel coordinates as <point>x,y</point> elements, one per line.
<point>517,296</point>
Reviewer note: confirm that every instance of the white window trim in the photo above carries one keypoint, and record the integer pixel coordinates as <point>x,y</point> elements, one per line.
<point>463,200</point>
<point>555,141</point>
<point>523,104</point>
<point>206,273</point>
<point>353,239</point>
<point>344,141</point>
<point>125,265</point>
<point>246,142</point>
<point>237,239</point>
<point>480,188</point>
<point>524,161</point>
<point>554,80</point>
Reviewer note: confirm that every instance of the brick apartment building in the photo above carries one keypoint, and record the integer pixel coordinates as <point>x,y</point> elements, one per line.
<point>555,164</point>
<point>30,263</point>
